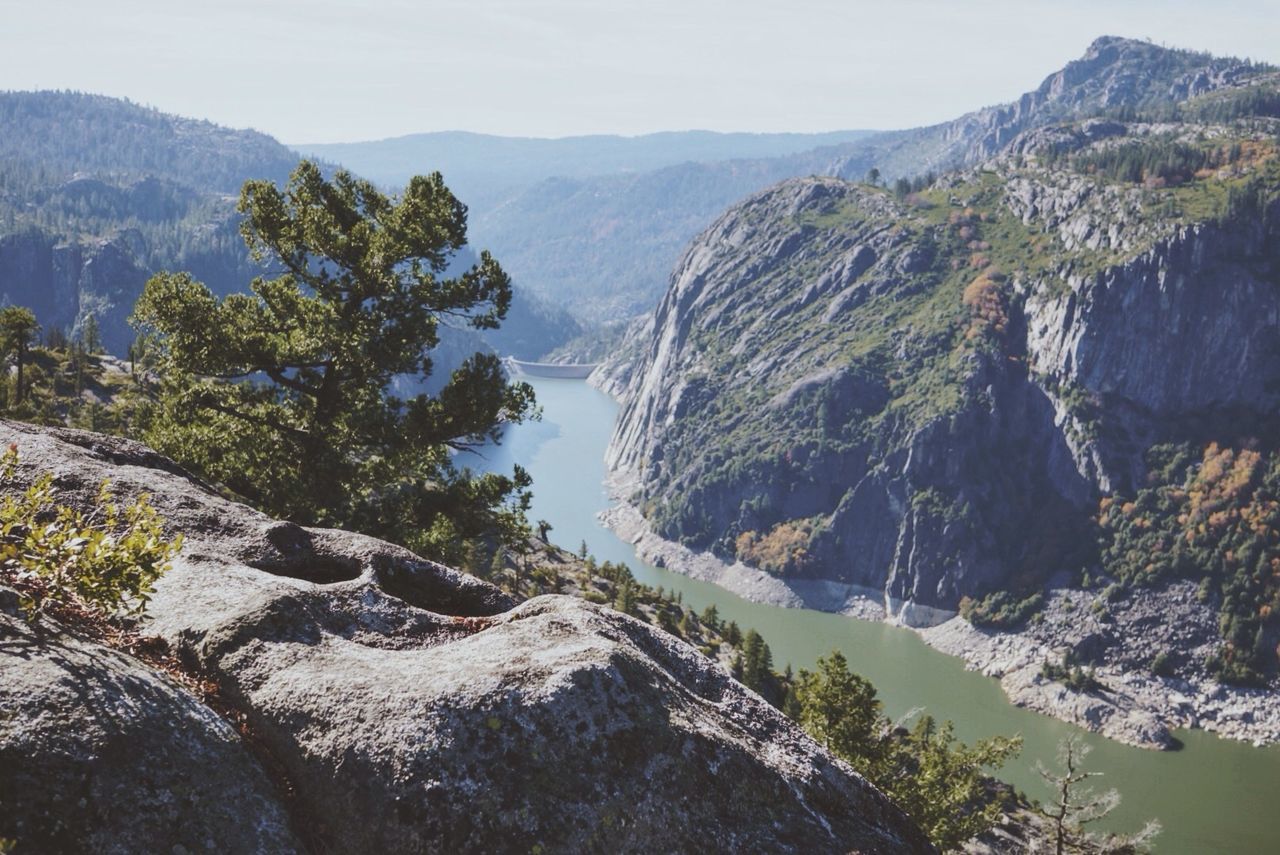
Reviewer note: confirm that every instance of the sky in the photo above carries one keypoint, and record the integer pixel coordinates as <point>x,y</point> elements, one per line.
<point>312,71</point>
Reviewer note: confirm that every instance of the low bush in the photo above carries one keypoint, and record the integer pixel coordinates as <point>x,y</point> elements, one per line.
<point>1071,674</point>
<point>1001,610</point>
<point>60,558</point>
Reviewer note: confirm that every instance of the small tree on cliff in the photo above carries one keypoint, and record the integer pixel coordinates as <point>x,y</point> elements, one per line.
<point>1075,804</point>
<point>282,394</point>
<point>90,338</point>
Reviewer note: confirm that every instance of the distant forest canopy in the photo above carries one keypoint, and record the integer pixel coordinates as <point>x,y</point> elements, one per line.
<point>73,131</point>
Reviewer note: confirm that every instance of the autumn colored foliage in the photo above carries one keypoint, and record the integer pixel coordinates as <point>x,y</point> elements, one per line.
<point>785,549</point>
<point>985,297</point>
<point>1211,514</point>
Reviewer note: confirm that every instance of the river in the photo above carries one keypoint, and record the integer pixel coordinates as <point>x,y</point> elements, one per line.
<point>1212,796</point>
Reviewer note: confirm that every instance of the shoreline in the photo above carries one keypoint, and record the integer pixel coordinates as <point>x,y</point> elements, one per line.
<point>1134,707</point>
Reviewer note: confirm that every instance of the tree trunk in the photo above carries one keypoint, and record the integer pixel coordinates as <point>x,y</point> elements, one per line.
<point>22,358</point>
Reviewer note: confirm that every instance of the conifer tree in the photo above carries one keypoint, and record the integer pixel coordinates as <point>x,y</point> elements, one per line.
<point>1075,805</point>
<point>18,329</point>
<point>283,393</point>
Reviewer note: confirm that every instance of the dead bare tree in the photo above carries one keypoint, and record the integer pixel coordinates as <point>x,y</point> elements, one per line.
<point>1076,805</point>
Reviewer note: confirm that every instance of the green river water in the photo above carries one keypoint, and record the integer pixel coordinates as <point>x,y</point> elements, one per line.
<point>1211,796</point>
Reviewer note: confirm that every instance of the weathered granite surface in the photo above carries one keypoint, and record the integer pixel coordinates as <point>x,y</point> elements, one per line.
<point>417,709</point>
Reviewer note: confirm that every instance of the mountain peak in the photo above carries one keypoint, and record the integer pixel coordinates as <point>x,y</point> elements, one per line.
<point>1102,43</point>
<point>1122,72</point>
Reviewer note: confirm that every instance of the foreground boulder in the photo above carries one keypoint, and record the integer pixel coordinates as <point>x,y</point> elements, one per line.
<point>407,707</point>
<point>100,753</point>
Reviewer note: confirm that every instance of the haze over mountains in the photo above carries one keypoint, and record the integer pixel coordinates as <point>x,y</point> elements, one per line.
<point>480,167</point>
<point>600,233</point>
<point>98,193</point>
<point>591,222</point>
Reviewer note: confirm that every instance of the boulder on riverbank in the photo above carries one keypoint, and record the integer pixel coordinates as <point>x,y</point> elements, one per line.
<point>412,708</point>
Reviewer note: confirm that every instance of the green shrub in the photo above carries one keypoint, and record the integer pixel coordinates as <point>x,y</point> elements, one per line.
<point>1071,674</point>
<point>58,557</point>
<point>940,782</point>
<point>1001,610</point>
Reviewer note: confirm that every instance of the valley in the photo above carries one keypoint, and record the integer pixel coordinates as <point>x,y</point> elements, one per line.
<point>989,407</point>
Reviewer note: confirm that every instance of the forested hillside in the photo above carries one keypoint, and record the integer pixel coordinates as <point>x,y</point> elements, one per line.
<point>70,132</point>
<point>97,193</point>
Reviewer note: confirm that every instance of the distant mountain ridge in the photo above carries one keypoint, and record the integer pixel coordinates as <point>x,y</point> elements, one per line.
<point>604,243</point>
<point>78,167</point>
<point>480,165</point>
<point>74,131</point>
<point>593,222</point>
<point>1114,74</point>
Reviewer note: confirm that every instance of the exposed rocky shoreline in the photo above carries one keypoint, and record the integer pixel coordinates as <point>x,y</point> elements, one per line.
<point>1134,707</point>
<point>626,521</point>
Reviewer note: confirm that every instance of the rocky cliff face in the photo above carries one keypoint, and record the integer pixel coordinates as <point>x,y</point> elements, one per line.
<point>65,283</point>
<point>928,396</point>
<point>406,707</point>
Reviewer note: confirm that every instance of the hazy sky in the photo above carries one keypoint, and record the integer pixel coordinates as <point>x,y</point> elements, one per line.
<point>343,70</point>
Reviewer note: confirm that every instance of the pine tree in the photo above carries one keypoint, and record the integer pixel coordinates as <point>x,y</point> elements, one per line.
<point>90,338</point>
<point>625,601</point>
<point>732,634</point>
<point>282,394</point>
<point>757,661</point>
<point>711,617</point>
<point>18,330</point>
